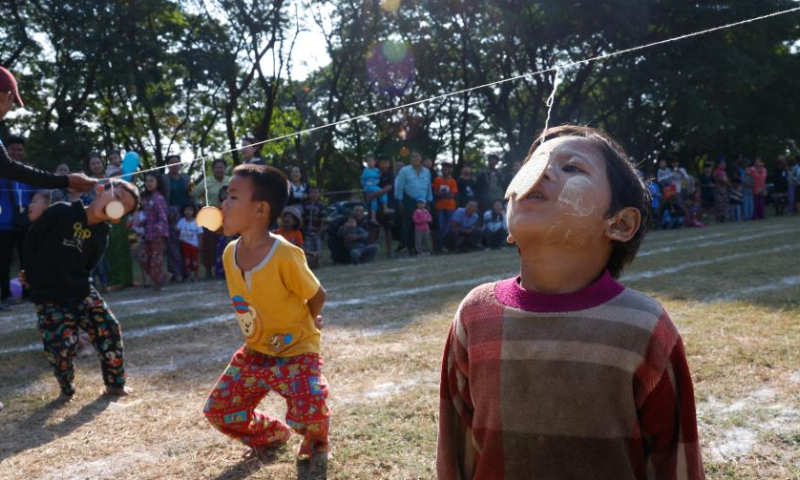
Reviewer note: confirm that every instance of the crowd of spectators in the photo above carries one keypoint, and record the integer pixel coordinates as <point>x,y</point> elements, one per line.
<point>419,208</point>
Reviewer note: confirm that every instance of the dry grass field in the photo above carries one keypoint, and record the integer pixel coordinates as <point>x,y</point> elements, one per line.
<point>733,291</point>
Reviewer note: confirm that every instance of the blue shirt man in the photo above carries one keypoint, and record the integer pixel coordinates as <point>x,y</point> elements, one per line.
<point>413,182</point>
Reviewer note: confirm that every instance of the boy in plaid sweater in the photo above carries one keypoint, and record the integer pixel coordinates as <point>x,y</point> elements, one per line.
<point>562,372</point>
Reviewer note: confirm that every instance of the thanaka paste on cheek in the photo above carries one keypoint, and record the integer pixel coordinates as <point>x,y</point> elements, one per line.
<point>573,196</point>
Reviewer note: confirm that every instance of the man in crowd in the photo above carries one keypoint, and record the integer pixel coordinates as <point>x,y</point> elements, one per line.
<point>490,184</point>
<point>413,182</point>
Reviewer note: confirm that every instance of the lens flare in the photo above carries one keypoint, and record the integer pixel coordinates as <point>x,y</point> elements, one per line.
<point>391,67</point>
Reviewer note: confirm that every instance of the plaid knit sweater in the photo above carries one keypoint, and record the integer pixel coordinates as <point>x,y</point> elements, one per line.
<point>592,384</point>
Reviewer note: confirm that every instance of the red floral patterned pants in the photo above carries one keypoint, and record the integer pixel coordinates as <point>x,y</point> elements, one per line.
<point>250,376</point>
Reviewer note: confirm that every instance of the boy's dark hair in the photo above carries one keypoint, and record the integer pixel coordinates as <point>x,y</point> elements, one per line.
<point>171,156</point>
<point>627,190</point>
<point>130,188</point>
<point>269,185</point>
<point>190,205</point>
<point>15,140</point>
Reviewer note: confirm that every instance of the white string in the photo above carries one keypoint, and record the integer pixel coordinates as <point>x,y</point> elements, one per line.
<point>556,68</point>
<point>551,99</point>
<point>205,183</point>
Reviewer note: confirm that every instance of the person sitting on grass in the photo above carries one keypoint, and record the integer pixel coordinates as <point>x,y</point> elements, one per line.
<point>672,213</point>
<point>494,226</point>
<point>61,248</point>
<point>277,300</point>
<point>356,241</point>
<point>465,233</point>
<point>561,372</point>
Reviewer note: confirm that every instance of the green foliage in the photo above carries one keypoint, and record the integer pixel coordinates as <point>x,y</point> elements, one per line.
<point>160,76</point>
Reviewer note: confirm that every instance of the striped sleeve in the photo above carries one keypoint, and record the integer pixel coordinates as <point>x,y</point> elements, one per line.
<point>666,409</point>
<point>455,458</point>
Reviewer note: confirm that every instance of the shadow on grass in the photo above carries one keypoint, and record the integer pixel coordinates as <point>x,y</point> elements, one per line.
<point>248,467</point>
<point>32,432</point>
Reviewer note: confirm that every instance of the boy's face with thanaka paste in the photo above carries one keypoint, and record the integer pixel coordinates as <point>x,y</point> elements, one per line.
<point>567,206</point>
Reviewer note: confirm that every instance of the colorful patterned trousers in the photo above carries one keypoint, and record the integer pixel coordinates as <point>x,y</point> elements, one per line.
<point>151,257</point>
<point>231,406</point>
<point>58,325</point>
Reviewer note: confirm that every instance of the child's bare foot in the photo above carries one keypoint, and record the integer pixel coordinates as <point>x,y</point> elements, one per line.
<point>118,391</point>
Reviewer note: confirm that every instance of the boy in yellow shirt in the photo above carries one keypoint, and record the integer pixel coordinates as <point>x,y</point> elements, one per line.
<point>277,300</point>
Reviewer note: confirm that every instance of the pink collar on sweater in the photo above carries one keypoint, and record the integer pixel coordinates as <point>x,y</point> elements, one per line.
<point>512,294</point>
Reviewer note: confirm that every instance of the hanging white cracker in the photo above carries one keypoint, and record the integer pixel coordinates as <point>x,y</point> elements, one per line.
<point>209,217</point>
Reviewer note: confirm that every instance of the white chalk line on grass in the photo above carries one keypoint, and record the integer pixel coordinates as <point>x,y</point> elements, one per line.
<point>409,291</point>
<point>29,321</point>
<point>17,321</point>
<point>143,332</point>
<point>114,304</point>
<point>785,282</point>
<point>426,289</point>
<point>694,246</point>
<point>686,238</point>
<point>648,274</point>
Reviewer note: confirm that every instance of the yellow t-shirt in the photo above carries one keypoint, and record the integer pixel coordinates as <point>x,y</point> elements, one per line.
<point>270,300</point>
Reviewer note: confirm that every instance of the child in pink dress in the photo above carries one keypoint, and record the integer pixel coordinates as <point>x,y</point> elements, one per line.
<point>422,228</point>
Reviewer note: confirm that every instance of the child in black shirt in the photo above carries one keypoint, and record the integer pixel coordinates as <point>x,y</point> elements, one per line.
<point>61,249</point>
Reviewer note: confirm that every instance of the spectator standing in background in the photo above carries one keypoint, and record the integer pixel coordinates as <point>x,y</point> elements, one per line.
<point>176,190</point>
<point>489,184</point>
<point>747,190</point>
<point>759,189</point>
<point>251,153</point>
<point>445,191</point>
<point>413,182</point>
<point>210,187</point>
<point>298,190</point>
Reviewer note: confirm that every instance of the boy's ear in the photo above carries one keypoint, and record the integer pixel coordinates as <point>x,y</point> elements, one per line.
<point>263,209</point>
<point>624,224</point>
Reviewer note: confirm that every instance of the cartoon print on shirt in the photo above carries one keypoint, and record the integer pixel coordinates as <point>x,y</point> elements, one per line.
<point>246,315</point>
